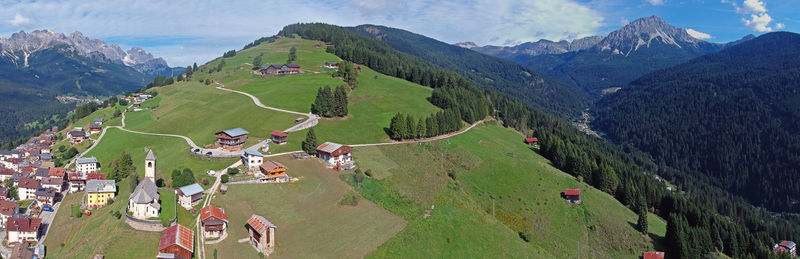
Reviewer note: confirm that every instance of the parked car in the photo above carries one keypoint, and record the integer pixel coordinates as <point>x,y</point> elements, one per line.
<point>47,208</point>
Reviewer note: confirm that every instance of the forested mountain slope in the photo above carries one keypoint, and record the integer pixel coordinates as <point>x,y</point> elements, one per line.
<point>733,116</point>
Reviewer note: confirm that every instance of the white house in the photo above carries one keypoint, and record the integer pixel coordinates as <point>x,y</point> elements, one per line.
<point>144,200</point>
<point>252,160</point>
<point>335,155</point>
<point>87,165</point>
<point>189,195</point>
<point>7,209</point>
<point>23,230</point>
<point>27,188</point>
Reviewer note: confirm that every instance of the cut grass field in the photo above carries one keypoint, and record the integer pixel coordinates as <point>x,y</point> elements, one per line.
<point>490,163</point>
<point>198,111</point>
<point>167,198</point>
<point>310,222</point>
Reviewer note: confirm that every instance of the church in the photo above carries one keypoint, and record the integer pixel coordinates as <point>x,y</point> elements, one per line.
<point>143,203</point>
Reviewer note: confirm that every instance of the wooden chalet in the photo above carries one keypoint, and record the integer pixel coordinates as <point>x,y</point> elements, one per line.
<point>532,141</point>
<point>94,128</point>
<point>785,246</point>
<point>214,221</point>
<point>177,242</point>
<point>331,64</point>
<point>189,195</point>
<point>318,45</point>
<point>279,137</point>
<point>273,172</point>
<point>336,156</point>
<point>76,136</point>
<point>232,139</point>
<point>261,234</point>
<point>572,195</point>
<point>280,70</point>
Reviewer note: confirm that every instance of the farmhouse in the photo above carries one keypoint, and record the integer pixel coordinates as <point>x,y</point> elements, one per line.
<point>653,255</point>
<point>279,137</point>
<point>252,160</point>
<point>94,128</point>
<point>232,139</point>
<point>214,221</point>
<point>331,64</point>
<point>280,70</point>
<point>785,246</point>
<point>7,209</point>
<point>336,156</point>
<point>20,230</point>
<point>573,195</point>
<point>273,172</point>
<point>532,141</point>
<point>177,242</point>
<point>86,165</point>
<point>76,136</point>
<point>27,188</point>
<point>262,234</point>
<point>143,203</point>
<point>99,192</point>
<point>189,195</point>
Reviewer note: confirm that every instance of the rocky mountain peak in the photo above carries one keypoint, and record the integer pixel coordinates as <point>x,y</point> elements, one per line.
<point>643,32</point>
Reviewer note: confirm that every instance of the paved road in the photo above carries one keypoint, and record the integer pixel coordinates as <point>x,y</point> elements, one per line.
<point>47,220</point>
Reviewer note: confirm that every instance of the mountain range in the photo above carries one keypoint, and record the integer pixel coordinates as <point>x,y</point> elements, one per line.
<point>596,63</point>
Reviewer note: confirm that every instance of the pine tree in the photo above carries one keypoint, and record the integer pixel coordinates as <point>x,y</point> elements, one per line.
<point>257,62</point>
<point>398,126</point>
<point>421,127</point>
<point>194,67</point>
<point>411,127</point>
<point>431,127</point>
<point>328,100</point>
<point>310,143</point>
<point>292,55</point>
<point>340,98</point>
<point>641,223</point>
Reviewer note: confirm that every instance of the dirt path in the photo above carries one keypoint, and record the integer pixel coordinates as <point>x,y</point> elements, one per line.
<point>310,122</point>
<point>440,137</point>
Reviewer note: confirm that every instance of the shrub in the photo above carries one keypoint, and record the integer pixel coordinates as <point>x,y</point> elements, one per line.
<point>233,171</point>
<point>224,178</point>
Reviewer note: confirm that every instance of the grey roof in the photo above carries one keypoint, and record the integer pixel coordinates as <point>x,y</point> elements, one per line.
<point>46,192</point>
<point>98,119</point>
<point>191,189</point>
<point>43,172</point>
<point>155,205</point>
<point>235,132</point>
<point>150,155</point>
<point>253,152</point>
<point>329,147</point>
<point>101,186</point>
<point>146,192</point>
<point>293,65</point>
<point>86,160</point>
<point>94,125</point>
<point>77,133</point>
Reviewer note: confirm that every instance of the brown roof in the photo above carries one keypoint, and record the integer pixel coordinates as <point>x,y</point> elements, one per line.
<point>28,183</point>
<point>23,225</point>
<point>270,165</point>
<point>259,223</point>
<point>52,181</point>
<point>211,212</point>
<point>21,251</point>
<point>177,235</point>
<point>57,171</point>
<point>7,207</point>
<point>279,133</point>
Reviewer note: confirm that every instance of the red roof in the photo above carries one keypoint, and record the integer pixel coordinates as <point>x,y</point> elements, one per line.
<point>26,169</point>
<point>6,171</point>
<point>531,140</point>
<point>177,235</point>
<point>653,255</point>
<point>58,172</point>
<point>572,192</point>
<point>23,225</point>
<point>95,176</point>
<point>7,207</point>
<point>259,223</point>
<point>212,211</point>
<point>28,183</point>
<point>279,133</point>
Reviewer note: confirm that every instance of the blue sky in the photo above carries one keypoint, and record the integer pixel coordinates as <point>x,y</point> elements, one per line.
<point>197,31</point>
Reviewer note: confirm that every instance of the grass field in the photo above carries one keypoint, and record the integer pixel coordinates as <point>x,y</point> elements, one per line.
<point>489,163</point>
<point>167,199</point>
<point>310,222</point>
<point>198,111</point>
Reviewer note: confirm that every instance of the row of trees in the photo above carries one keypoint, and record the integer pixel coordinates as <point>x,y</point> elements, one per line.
<point>330,103</point>
<point>347,71</point>
<point>229,53</point>
<point>161,81</point>
<point>404,126</point>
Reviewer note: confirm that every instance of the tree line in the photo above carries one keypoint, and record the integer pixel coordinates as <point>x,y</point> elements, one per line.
<point>330,103</point>
<point>404,126</point>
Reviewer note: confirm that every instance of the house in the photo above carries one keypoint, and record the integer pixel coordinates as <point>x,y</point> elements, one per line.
<point>21,251</point>
<point>4,193</point>
<point>53,183</point>
<point>27,188</point>
<point>76,136</point>
<point>336,156</point>
<point>293,68</point>
<point>87,165</point>
<point>20,230</point>
<point>177,242</point>
<point>99,192</point>
<point>57,172</point>
<point>273,172</point>
<point>214,221</point>
<point>573,195</point>
<point>7,210</point>
<point>143,203</point>
<point>270,70</point>
<point>232,139</point>
<point>223,189</point>
<point>299,120</point>
<point>46,195</point>
<point>261,234</point>
<point>252,159</point>
<point>189,195</point>
<point>280,70</point>
<point>329,44</point>
<point>94,128</point>
<point>786,246</point>
<point>279,137</point>
<point>318,45</point>
<point>5,173</point>
<point>532,141</point>
<point>98,121</point>
<point>42,173</point>
<point>331,64</point>
<point>77,181</point>
<point>46,157</point>
<point>653,255</point>
<point>17,176</point>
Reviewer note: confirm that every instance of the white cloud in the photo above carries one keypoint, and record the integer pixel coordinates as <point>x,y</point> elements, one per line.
<point>780,26</point>
<point>624,21</point>
<point>759,23</point>
<point>697,34</point>
<point>656,2</point>
<point>19,21</point>
<point>752,7</point>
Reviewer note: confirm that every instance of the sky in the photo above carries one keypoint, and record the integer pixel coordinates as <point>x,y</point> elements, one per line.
<point>184,32</point>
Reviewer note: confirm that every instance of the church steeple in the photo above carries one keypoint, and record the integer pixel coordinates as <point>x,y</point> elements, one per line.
<point>150,166</point>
